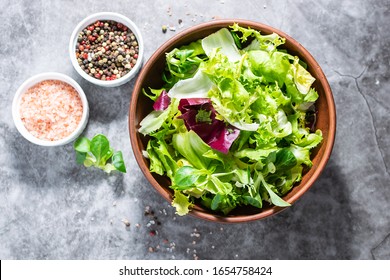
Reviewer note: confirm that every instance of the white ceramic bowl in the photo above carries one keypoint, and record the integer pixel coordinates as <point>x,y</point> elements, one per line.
<point>33,81</point>
<point>107,16</point>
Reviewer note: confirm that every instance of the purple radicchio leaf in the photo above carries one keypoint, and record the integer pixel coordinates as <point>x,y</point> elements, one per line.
<point>224,139</point>
<point>311,118</point>
<point>162,102</point>
<point>215,133</point>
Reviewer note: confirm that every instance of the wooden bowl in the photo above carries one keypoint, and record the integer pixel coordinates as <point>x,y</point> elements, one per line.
<point>150,76</point>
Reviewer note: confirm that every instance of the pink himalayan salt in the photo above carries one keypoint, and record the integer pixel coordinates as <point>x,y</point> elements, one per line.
<point>51,110</point>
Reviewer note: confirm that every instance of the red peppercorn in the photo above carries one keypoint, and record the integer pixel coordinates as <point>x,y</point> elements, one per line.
<point>101,24</point>
<point>87,47</point>
<point>97,23</point>
<point>91,27</point>
<point>120,25</point>
<point>97,75</point>
<point>135,56</point>
<point>85,55</point>
<point>81,48</point>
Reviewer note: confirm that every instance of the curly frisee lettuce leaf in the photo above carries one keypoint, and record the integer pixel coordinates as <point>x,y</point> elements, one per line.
<point>232,124</point>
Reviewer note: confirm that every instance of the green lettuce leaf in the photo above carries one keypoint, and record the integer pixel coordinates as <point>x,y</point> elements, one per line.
<point>224,41</point>
<point>195,87</point>
<point>229,97</point>
<point>192,148</point>
<point>181,203</point>
<point>261,42</point>
<point>302,78</point>
<point>182,63</point>
<point>153,121</point>
<point>272,66</point>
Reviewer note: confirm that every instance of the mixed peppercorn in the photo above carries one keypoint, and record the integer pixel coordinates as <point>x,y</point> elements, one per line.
<point>107,50</point>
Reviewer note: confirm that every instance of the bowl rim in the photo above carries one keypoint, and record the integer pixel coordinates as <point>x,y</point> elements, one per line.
<point>309,59</point>
<point>35,80</point>
<point>107,16</point>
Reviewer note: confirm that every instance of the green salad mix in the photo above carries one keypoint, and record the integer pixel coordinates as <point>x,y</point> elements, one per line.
<point>233,124</point>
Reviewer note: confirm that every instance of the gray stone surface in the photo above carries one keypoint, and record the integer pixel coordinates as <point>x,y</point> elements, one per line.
<point>51,208</point>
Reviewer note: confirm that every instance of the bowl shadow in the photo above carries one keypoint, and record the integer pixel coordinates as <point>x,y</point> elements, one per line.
<point>318,227</point>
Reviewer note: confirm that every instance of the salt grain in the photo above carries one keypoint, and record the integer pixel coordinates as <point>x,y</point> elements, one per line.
<point>51,110</point>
